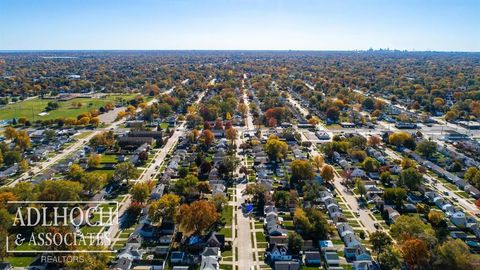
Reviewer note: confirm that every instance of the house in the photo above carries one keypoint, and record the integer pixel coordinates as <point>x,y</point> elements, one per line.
<point>278,240</point>
<point>312,258</point>
<point>326,245</point>
<point>392,213</point>
<point>211,251</point>
<point>123,264</point>
<point>215,240</point>
<point>363,265</point>
<point>165,239</point>
<point>331,258</point>
<point>209,263</point>
<point>357,172</point>
<point>356,253</point>
<point>278,253</point>
<point>287,265</point>
<point>458,235</point>
<point>177,257</point>
<point>5,266</point>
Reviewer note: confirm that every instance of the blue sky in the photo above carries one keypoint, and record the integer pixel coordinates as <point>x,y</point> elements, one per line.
<point>442,25</point>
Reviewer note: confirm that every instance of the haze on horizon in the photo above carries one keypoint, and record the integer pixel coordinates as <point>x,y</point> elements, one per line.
<point>436,25</point>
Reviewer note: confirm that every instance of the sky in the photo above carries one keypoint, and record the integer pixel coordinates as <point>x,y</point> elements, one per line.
<point>437,25</point>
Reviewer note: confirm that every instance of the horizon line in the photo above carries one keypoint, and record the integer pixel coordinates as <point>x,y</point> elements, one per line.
<point>237,50</point>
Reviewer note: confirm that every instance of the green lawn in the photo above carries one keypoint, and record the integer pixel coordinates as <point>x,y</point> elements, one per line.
<point>227,214</point>
<point>109,159</point>
<point>31,108</point>
<point>260,237</point>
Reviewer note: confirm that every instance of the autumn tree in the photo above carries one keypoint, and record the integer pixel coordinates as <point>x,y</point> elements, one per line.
<point>164,208</point>
<point>197,217</point>
<point>374,140</point>
<point>301,170</point>
<point>318,161</point>
<point>276,149</point>
<point>415,253</point>
<point>406,227</point>
<point>398,138</point>
<point>141,191</point>
<point>231,134</point>
<point>328,173</point>
<point>76,172</point>
<point>93,181</point>
<point>94,160</point>
<point>60,190</point>
<point>455,255</point>
<point>207,137</point>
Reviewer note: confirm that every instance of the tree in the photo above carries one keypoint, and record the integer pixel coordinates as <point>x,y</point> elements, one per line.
<point>124,171</point>
<point>368,104</point>
<point>435,217</point>
<point>76,172</point>
<point>276,149</point>
<point>12,157</point>
<point>140,192</point>
<point>94,160</point>
<point>258,191</point>
<point>406,227</point>
<point>415,253</point>
<point>207,137</point>
<point>228,165</point>
<point>470,173</point>
<point>360,185</point>
<point>455,255</point>
<point>398,138</point>
<point>281,198</point>
<point>23,166</point>
<point>370,164</point>
<point>301,170</point>
<point>186,186</point>
<point>410,178</point>
<point>22,140</point>
<point>427,148</point>
<point>164,208</point>
<point>231,134</point>
<point>318,161</point>
<point>408,163</point>
<point>93,181</point>
<point>203,187</point>
<point>395,195</point>
<point>311,223</point>
<point>333,114</point>
<point>328,173</point>
<point>374,140</point>
<point>60,190</point>
<point>10,133</point>
<point>295,243</point>
<point>197,216</point>
<point>95,121</point>
<point>219,200</point>
<point>379,240</point>
<point>390,259</point>
<point>243,109</point>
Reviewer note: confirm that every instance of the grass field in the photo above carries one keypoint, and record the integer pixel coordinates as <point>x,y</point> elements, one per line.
<point>31,108</point>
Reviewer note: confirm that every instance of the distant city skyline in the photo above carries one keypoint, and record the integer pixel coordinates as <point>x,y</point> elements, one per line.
<point>429,25</point>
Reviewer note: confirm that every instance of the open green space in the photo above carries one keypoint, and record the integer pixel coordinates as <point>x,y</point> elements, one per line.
<point>31,108</point>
